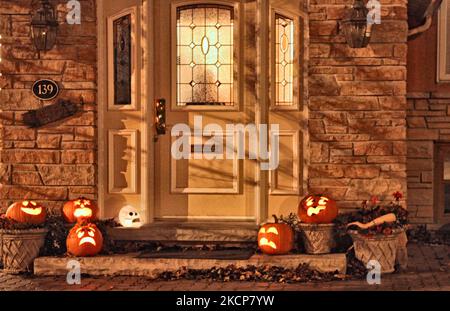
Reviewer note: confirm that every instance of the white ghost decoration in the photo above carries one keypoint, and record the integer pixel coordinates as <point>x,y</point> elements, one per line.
<point>129,217</point>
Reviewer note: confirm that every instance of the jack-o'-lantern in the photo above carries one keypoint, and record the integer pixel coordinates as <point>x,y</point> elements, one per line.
<point>275,238</point>
<point>84,240</point>
<point>81,209</point>
<point>27,212</point>
<point>317,209</point>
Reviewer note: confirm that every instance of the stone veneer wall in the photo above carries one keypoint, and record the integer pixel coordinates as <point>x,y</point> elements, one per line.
<point>428,122</point>
<point>56,162</point>
<point>357,106</point>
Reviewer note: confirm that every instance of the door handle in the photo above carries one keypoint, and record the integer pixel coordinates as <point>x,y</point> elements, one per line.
<point>160,117</point>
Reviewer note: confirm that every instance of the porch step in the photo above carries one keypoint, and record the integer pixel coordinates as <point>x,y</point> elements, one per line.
<point>226,232</point>
<point>130,265</point>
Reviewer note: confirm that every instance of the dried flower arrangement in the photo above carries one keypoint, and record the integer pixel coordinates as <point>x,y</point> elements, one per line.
<point>374,219</point>
<point>55,241</point>
<point>10,224</point>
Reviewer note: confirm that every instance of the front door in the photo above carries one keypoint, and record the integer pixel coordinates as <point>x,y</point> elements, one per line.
<point>205,79</point>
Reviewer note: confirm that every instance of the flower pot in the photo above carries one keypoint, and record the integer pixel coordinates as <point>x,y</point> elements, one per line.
<point>317,238</point>
<point>379,247</point>
<point>402,251</point>
<point>20,248</point>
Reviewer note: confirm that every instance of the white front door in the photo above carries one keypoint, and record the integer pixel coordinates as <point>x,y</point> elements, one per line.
<point>205,67</point>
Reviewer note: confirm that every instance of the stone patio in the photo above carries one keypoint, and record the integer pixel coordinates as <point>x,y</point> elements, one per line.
<point>429,269</point>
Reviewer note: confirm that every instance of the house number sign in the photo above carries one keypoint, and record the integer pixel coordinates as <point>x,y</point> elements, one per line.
<point>45,89</point>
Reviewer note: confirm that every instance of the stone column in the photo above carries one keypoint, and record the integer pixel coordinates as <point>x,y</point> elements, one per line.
<point>357,106</point>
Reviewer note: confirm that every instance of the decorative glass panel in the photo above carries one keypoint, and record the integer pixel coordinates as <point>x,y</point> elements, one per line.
<point>205,55</point>
<point>122,60</point>
<point>284,61</point>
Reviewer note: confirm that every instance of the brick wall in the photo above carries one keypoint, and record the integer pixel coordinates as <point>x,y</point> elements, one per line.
<point>357,119</point>
<point>56,162</point>
<point>428,122</point>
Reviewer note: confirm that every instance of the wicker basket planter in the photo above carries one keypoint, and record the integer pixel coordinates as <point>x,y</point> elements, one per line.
<point>20,248</point>
<point>317,238</point>
<point>380,247</point>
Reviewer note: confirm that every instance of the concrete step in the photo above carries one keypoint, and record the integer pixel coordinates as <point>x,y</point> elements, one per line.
<point>231,232</point>
<point>129,265</point>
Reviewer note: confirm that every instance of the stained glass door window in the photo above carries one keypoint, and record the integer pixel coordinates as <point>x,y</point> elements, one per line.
<point>284,61</point>
<point>205,53</point>
<point>122,60</point>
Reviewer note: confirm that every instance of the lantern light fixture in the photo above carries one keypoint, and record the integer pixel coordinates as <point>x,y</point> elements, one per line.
<point>355,27</point>
<point>44,27</point>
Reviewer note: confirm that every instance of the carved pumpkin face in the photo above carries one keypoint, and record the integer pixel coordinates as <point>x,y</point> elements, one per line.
<point>84,240</point>
<point>317,209</point>
<point>27,212</point>
<point>275,238</point>
<point>80,210</point>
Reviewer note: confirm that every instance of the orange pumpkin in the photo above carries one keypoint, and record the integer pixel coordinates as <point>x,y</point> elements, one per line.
<point>275,238</point>
<point>317,209</point>
<point>84,240</point>
<point>80,209</point>
<point>27,212</point>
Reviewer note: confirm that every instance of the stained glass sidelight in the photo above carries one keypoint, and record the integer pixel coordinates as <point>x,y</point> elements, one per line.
<point>205,72</point>
<point>284,61</point>
<point>122,60</point>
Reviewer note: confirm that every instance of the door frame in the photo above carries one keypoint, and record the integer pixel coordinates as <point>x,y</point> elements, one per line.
<point>147,101</point>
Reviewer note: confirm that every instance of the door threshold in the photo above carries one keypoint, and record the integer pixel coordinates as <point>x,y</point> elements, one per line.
<point>191,231</point>
<point>202,224</point>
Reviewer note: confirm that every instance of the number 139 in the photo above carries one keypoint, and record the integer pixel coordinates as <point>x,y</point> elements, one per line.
<point>45,89</point>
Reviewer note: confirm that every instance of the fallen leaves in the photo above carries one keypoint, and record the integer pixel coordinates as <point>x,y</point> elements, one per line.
<point>252,273</point>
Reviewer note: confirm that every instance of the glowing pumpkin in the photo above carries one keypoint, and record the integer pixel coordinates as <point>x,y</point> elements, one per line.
<point>84,240</point>
<point>275,238</point>
<point>81,209</point>
<point>27,212</point>
<point>317,209</point>
<point>129,217</point>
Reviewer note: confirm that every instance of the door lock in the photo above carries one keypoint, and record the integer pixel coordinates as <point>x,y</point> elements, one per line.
<point>160,117</point>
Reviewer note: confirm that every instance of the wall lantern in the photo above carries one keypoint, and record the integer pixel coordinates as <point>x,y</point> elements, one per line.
<point>44,26</point>
<point>354,26</point>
